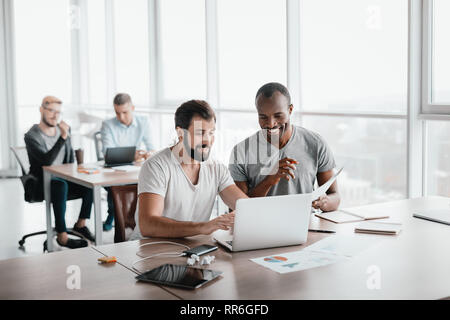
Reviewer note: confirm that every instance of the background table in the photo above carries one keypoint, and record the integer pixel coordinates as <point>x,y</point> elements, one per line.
<point>95,182</point>
<point>413,265</point>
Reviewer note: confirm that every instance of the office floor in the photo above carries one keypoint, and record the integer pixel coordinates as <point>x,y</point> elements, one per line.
<point>18,218</point>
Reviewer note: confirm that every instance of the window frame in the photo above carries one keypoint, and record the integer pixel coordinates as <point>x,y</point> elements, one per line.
<point>428,107</point>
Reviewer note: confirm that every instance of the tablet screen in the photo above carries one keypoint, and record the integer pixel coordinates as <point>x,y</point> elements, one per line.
<point>179,276</point>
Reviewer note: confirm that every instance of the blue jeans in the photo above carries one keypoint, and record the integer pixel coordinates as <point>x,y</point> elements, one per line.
<point>110,218</point>
<point>62,191</point>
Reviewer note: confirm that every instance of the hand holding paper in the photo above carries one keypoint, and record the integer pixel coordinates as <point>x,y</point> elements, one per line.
<point>323,188</point>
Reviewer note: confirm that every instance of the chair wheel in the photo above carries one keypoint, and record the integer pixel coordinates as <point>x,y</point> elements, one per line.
<point>45,246</point>
<point>21,243</point>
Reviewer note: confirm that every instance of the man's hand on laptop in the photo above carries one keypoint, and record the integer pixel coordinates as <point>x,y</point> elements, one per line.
<point>223,222</point>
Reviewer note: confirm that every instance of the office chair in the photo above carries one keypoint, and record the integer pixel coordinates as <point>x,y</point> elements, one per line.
<point>98,145</point>
<point>21,156</point>
<point>125,202</point>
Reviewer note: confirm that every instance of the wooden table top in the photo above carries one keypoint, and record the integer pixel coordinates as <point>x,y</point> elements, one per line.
<point>45,277</point>
<point>413,265</point>
<point>106,176</point>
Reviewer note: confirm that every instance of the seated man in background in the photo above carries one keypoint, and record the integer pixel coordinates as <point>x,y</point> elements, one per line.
<point>282,158</point>
<point>178,186</point>
<point>48,143</point>
<point>124,130</point>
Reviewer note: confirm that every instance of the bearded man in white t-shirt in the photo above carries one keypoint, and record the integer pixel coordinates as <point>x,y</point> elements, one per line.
<point>178,186</point>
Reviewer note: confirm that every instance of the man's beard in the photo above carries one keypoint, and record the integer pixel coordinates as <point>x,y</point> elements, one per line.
<point>194,154</point>
<point>47,123</point>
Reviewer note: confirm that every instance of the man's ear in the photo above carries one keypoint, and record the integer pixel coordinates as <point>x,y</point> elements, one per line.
<point>132,107</point>
<point>179,133</point>
<point>291,108</point>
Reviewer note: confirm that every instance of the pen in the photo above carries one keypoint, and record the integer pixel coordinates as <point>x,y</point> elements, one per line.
<point>323,231</point>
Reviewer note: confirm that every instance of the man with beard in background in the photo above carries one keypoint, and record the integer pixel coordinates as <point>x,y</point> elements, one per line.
<point>48,143</point>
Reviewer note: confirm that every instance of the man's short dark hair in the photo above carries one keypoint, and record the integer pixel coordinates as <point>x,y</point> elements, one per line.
<point>121,99</point>
<point>269,88</point>
<point>191,108</point>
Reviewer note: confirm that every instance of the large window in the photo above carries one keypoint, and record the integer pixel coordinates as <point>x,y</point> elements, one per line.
<point>354,62</point>
<point>182,47</point>
<point>43,55</point>
<point>347,61</point>
<point>43,50</point>
<point>132,49</point>
<point>372,152</point>
<point>354,55</point>
<point>96,25</point>
<point>441,52</point>
<point>252,49</point>
<point>438,158</point>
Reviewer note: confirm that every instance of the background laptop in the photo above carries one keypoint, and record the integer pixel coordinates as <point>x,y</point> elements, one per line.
<point>436,215</point>
<point>267,222</point>
<point>119,156</point>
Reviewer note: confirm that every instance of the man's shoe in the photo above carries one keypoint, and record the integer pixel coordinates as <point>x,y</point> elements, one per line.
<point>84,231</point>
<point>107,226</point>
<point>73,243</point>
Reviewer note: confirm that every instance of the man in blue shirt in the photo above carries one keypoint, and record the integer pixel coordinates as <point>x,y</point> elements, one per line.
<point>125,129</point>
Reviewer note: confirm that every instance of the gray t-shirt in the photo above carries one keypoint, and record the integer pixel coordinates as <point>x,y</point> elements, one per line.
<point>50,142</point>
<point>183,201</point>
<point>254,158</point>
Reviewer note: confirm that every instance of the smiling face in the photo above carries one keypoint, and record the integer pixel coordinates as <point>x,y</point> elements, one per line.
<point>274,115</point>
<point>199,138</point>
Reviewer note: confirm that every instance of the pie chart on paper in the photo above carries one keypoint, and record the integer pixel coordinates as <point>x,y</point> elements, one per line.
<point>276,259</point>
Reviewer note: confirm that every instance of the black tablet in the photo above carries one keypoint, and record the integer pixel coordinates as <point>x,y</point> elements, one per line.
<point>181,276</point>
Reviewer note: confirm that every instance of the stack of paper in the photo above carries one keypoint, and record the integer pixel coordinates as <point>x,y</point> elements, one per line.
<point>378,228</point>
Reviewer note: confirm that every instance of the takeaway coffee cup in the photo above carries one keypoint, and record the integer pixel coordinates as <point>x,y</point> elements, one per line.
<point>79,154</point>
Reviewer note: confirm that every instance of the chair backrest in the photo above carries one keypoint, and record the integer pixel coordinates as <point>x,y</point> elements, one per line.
<point>125,202</point>
<point>98,145</point>
<point>22,158</point>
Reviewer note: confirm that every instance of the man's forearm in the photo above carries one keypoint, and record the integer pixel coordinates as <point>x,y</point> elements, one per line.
<point>163,227</point>
<point>260,190</point>
<point>38,153</point>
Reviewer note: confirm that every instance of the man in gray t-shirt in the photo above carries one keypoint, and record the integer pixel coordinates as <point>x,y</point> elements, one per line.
<point>282,158</point>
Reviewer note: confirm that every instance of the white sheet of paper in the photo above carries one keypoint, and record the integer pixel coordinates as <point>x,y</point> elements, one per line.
<point>323,188</point>
<point>298,260</point>
<point>330,250</point>
<point>343,245</point>
<point>127,168</point>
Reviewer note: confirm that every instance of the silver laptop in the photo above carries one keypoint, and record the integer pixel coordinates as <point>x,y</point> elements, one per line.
<point>267,222</point>
<point>436,215</point>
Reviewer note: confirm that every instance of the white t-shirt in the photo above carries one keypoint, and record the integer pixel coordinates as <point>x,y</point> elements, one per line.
<point>162,174</point>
